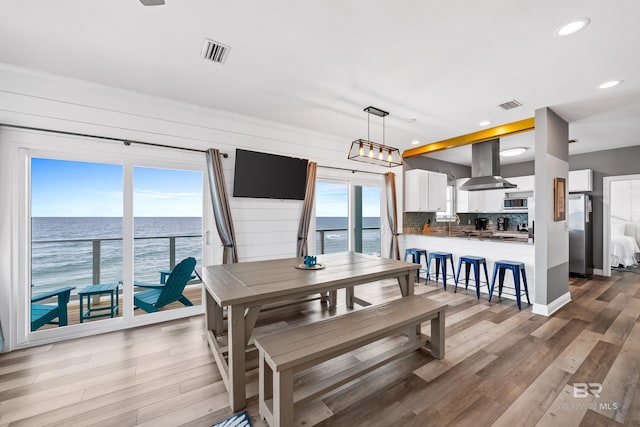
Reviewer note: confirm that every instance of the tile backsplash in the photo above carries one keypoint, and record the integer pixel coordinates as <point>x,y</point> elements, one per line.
<point>417,220</point>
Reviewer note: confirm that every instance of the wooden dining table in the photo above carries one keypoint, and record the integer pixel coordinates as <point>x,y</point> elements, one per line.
<point>244,288</point>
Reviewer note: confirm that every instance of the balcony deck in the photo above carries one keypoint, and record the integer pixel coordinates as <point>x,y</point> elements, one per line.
<point>193,292</point>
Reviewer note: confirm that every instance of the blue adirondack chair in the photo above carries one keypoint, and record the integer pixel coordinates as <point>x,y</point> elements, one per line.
<point>42,314</point>
<point>157,296</point>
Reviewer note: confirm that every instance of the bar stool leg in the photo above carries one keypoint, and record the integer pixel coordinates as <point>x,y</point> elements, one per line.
<point>444,273</point>
<point>476,274</point>
<point>458,274</point>
<point>438,271</point>
<point>524,282</point>
<point>516,284</point>
<point>428,276</point>
<point>500,281</point>
<point>486,275</point>
<point>453,269</point>
<point>467,270</point>
<point>493,281</point>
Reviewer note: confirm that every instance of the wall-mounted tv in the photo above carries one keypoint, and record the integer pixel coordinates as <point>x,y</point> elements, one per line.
<point>269,176</point>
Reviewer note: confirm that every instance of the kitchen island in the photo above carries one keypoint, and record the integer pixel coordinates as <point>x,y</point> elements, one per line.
<point>487,245</point>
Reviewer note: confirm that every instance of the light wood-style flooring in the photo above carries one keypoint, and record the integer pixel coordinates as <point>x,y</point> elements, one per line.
<point>502,367</point>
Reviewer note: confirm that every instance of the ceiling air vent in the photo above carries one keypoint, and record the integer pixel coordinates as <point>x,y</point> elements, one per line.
<point>214,51</point>
<point>510,104</point>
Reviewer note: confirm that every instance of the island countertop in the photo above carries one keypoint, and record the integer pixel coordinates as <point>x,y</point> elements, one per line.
<point>485,236</point>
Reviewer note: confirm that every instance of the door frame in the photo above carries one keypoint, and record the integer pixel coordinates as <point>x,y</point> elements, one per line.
<point>22,146</point>
<point>606,218</point>
<point>349,178</point>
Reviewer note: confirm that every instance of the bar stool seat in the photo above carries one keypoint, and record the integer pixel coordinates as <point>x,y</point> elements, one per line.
<point>517,268</point>
<point>416,255</point>
<point>441,260</point>
<point>475,261</point>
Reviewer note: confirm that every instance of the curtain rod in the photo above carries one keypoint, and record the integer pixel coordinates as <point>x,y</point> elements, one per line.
<point>349,170</point>
<point>126,142</point>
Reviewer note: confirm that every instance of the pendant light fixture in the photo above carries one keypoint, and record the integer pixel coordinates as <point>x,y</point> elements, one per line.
<point>365,150</point>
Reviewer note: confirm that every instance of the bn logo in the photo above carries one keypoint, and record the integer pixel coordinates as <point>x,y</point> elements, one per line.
<point>582,390</point>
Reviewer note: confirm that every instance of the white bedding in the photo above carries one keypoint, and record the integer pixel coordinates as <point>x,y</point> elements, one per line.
<point>623,251</point>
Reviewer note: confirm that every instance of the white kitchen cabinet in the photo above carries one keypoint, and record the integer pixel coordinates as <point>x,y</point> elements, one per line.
<point>437,194</point>
<point>476,201</point>
<point>580,181</point>
<point>493,200</point>
<point>425,191</point>
<point>483,201</point>
<point>524,183</point>
<point>462,197</point>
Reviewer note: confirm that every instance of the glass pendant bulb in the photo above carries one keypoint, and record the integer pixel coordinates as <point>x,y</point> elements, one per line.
<point>361,150</point>
<point>380,154</point>
<point>390,157</point>
<point>371,151</point>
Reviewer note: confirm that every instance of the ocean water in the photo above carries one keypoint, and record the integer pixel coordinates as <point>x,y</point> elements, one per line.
<point>62,248</point>
<point>70,263</point>
<point>334,231</point>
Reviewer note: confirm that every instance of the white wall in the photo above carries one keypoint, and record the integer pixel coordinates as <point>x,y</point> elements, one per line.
<point>265,228</point>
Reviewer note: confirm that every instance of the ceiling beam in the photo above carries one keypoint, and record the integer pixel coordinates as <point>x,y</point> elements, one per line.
<point>513,128</point>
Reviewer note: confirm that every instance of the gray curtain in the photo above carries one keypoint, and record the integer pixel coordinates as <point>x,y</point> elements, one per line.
<point>392,213</point>
<point>307,210</point>
<point>221,210</point>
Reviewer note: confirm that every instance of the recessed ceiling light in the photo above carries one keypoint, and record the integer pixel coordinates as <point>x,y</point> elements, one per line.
<point>609,84</point>
<point>484,123</point>
<point>415,142</point>
<point>511,152</point>
<point>572,27</point>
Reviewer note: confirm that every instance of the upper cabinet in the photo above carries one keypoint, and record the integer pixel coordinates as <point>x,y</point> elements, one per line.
<point>580,181</point>
<point>425,191</point>
<point>524,183</point>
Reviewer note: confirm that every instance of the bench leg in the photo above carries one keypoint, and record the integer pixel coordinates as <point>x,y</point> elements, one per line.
<point>437,336</point>
<point>265,391</point>
<point>283,398</point>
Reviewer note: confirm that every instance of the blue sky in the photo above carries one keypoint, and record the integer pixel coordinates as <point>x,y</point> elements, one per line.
<point>332,200</point>
<point>62,188</point>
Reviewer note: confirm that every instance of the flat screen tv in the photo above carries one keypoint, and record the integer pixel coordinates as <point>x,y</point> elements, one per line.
<point>269,176</point>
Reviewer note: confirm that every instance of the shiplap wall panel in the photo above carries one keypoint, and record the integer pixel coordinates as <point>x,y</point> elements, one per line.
<point>265,228</point>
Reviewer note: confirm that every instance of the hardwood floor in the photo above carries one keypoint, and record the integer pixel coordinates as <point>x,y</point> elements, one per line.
<point>502,367</point>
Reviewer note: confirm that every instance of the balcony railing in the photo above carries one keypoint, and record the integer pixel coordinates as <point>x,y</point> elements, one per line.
<point>373,240</point>
<point>96,248</point>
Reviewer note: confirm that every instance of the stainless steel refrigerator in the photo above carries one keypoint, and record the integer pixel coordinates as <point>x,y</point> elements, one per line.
<point>580,234</point>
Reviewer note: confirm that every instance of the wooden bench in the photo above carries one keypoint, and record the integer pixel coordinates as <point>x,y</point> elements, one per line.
<point>284,353</point>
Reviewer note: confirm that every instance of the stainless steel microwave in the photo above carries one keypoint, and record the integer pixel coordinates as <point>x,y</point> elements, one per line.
<point>515,203</point>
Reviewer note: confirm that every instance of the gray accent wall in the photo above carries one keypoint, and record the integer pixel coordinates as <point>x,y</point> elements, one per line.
<point>621,161</point>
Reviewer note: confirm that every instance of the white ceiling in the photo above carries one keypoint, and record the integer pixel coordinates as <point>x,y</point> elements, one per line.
<point>317,64</point>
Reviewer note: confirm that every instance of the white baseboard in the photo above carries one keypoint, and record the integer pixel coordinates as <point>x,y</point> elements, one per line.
<point>549,309</point>
<point>598,272</point>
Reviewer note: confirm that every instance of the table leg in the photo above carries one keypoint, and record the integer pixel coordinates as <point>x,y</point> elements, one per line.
<point>437,336</point>
<point>236,320</point>
<point>405,282</point>
<point>214,318</point>
<point>81,310</point>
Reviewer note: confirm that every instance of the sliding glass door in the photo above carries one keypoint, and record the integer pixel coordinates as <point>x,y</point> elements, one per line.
<point>348,217</point>
<point>95,222</point>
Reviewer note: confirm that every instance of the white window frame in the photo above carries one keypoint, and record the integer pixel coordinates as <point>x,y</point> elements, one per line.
<point>347,178</point>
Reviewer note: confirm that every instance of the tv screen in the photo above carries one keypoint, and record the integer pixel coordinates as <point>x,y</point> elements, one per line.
<point>269,176</point>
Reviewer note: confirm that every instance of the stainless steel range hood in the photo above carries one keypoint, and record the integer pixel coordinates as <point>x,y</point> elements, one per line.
<point>485,168</point>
